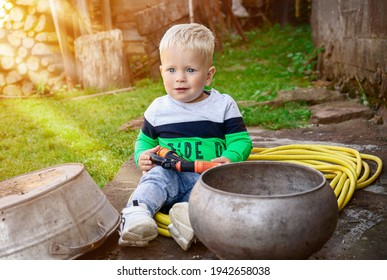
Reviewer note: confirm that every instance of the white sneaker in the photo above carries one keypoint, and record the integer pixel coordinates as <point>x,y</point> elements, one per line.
<point>137,226</point>
<point>180,227</point>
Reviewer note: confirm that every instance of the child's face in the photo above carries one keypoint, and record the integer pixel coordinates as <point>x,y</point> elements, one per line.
<point>185,73</point>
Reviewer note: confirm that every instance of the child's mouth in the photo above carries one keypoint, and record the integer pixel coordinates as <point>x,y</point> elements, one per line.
<point>181,89</point>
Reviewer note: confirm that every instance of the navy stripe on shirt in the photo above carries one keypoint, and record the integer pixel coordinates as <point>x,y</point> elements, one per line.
<point>201,129</point>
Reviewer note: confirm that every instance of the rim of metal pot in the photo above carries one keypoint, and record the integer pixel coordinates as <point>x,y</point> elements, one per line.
<point>15,199</point>
<point>92,246</point>
<point>264,162</point>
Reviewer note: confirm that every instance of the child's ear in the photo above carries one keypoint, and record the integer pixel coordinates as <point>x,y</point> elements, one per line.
<point>210,75</point>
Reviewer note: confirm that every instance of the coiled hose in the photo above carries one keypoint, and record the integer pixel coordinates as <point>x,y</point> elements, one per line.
<point>347,169</point>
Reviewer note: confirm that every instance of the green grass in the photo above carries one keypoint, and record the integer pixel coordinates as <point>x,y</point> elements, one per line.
<point>290,115</point>
<point>273,59</point>
<point>37,133</point>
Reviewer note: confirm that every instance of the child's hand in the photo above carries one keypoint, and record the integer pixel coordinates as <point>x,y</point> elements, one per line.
<point>144,161</point>
<point>222,160</point>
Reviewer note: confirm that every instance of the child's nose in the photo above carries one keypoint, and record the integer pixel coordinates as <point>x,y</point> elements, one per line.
<point>180,77</point>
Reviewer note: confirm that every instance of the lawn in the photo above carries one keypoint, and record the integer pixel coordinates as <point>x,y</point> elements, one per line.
<point>41,132</point>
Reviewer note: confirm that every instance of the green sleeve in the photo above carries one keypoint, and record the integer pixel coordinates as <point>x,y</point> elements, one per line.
<point>143,143</point>
<point>238,146</point>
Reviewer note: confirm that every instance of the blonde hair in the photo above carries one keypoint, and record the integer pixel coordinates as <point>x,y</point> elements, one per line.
<point>192,36</point>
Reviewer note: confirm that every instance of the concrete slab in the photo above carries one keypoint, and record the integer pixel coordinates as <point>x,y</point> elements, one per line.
<point>311,96</point>
<point>339,111</point>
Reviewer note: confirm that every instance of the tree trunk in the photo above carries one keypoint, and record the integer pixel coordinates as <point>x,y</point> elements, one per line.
<point>101,60</point>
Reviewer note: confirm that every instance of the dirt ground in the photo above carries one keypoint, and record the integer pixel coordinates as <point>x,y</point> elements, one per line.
<point>361,230</point>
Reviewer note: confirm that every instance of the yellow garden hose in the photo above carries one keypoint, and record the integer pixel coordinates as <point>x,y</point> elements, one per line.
<point>347,169</point>
<point>162,221</point>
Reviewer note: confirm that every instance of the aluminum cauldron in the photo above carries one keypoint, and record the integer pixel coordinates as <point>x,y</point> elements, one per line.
<point>263,210</point>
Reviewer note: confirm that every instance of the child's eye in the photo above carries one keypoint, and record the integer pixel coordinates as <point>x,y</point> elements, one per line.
<point>171,70</point>
<point>191,70</point>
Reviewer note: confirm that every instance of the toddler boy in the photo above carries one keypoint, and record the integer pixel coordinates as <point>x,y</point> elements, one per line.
<point>194,123</point>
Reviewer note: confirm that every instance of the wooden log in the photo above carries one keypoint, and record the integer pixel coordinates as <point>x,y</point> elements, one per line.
<point>22,52</point>
<point>43,7</point>
<point>41,24</point>
<point>101,60</point>
<point>8,5</point>
<point>27,87</point>
<point>30,22</point>
<point>15,41</point>
<point>18,60</point>
<point>41,49</point>
<point>2,80</point>
<point>3,33</point>
<point>38,78</point>
<point>8,25</point>
<point>12,90</point>
<point>6,50</point>
<point>28,42</point>
<point>47,37</point>
<point>22,68</point>
<point>19,34</point>
<point>17,14</point>
<point>26,2</point>
<point>17,25</point>
<point>31,10</point>
<point>13,77</point>
<point>33,63</point>
<point>7,62</point>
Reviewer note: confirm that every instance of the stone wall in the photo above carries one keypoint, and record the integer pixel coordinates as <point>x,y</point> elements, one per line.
<point>353,34</point>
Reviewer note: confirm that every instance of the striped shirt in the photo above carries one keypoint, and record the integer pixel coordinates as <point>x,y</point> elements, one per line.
<point>203,130</point>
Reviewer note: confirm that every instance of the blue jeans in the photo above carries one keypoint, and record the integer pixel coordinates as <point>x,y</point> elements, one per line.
<point>161,187</point>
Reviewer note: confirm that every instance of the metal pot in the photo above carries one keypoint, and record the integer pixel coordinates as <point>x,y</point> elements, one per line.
<point>263,210</point>
<point>54,213</point>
